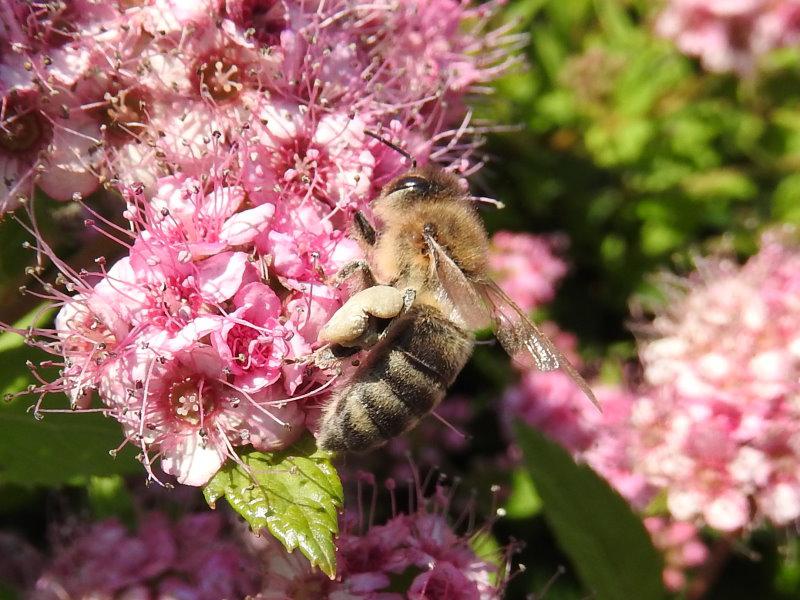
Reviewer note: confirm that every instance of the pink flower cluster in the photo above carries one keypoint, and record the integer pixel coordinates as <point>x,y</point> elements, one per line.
<point>719,425</point>
<point>527,266</point>
<point>419,555</point>
<point>93,91</point>
<point>235,132</point>
<point>713,428</point>
<point>608,442</point>
<point>193,558</point>
<point>730,35</point>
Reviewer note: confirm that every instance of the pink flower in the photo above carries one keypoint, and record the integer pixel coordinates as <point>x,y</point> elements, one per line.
<point>169,103</point>
<point>718,430</point>
<point>552,403</point>
<point>612,453</point>
<point>682,548</point>
<point>369,562</point>
<point>730,35</point>
<point>186,407</point>
<point>46,136</point>
<point>193,558</point>
<point>526,267</point>
<point>443,582</point>
<point>254,343</point>
<point>184,214</point>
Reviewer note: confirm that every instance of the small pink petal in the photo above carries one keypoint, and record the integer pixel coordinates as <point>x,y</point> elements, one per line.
<point>244,226</point>
<point>220,276</point>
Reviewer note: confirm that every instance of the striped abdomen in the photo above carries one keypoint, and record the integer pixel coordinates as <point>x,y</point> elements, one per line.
<point>401,380</point>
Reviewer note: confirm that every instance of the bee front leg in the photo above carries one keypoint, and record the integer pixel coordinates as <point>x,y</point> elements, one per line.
<point>357,271</point>
<point>363,229</point>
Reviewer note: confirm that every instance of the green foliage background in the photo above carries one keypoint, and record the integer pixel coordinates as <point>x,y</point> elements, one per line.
<point>644,161</point>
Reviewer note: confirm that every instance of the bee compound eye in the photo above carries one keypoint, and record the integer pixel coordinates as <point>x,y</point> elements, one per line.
<point>412,183</point>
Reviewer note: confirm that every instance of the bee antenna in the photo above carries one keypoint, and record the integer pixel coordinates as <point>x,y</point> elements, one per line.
<point>393,146</point>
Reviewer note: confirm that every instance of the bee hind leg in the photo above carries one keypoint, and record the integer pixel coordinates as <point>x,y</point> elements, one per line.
<point>361,320</point>
<point>409,295</point>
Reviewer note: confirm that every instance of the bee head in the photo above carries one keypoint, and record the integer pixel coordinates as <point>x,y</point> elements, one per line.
<point>422,184</point>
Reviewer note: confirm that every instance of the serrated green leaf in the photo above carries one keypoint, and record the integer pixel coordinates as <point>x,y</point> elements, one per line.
<point>606,541</point>
<point>60,449</point>
<point>295,494</point>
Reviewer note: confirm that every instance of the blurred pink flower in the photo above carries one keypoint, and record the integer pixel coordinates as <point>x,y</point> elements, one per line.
<point>527,267</point>
<point>553,404</point>
<point>730,35</point>
<point>681,546</point>
<point>718,429</point>
<point>714,424</point>
<point>192,558</point>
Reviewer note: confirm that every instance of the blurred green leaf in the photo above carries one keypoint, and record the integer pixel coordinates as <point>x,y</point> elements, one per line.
<point>618,141</point>
<point>109,497</point>
<point>295,494</point>
<point>595,526</point>
<point>550,52</point>
<point>488,550</point>
<point>61,448</point>
<point>524,10</point>
<point>787,579</point>
<point>720,184</point>
<point>614,20</point>
<point>786,200</point>
<point>566,17</point>
<point>660,238</point>
<point>7,592</point>
<point>524,502</point>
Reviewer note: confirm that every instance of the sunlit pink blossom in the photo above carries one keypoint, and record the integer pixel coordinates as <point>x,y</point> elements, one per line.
<point>236,133</point>
<point>730,35</point>
<point>95,90</point>
<point>185,407</point>
<point>46,137</point>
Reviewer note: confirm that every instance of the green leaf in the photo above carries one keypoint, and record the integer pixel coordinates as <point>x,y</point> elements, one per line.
<point>295,494</point>
<point>524,501</point>
<point>606,541</point>
<point>720,184</point>
<point>61,448</point>
<point>108,497</point>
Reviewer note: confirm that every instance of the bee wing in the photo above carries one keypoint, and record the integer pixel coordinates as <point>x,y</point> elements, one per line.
<point>483,303</point>
<point>525,342</point>
<point>457,290</point>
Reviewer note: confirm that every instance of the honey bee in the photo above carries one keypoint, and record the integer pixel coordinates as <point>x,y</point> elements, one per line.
<point>417,327</point>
